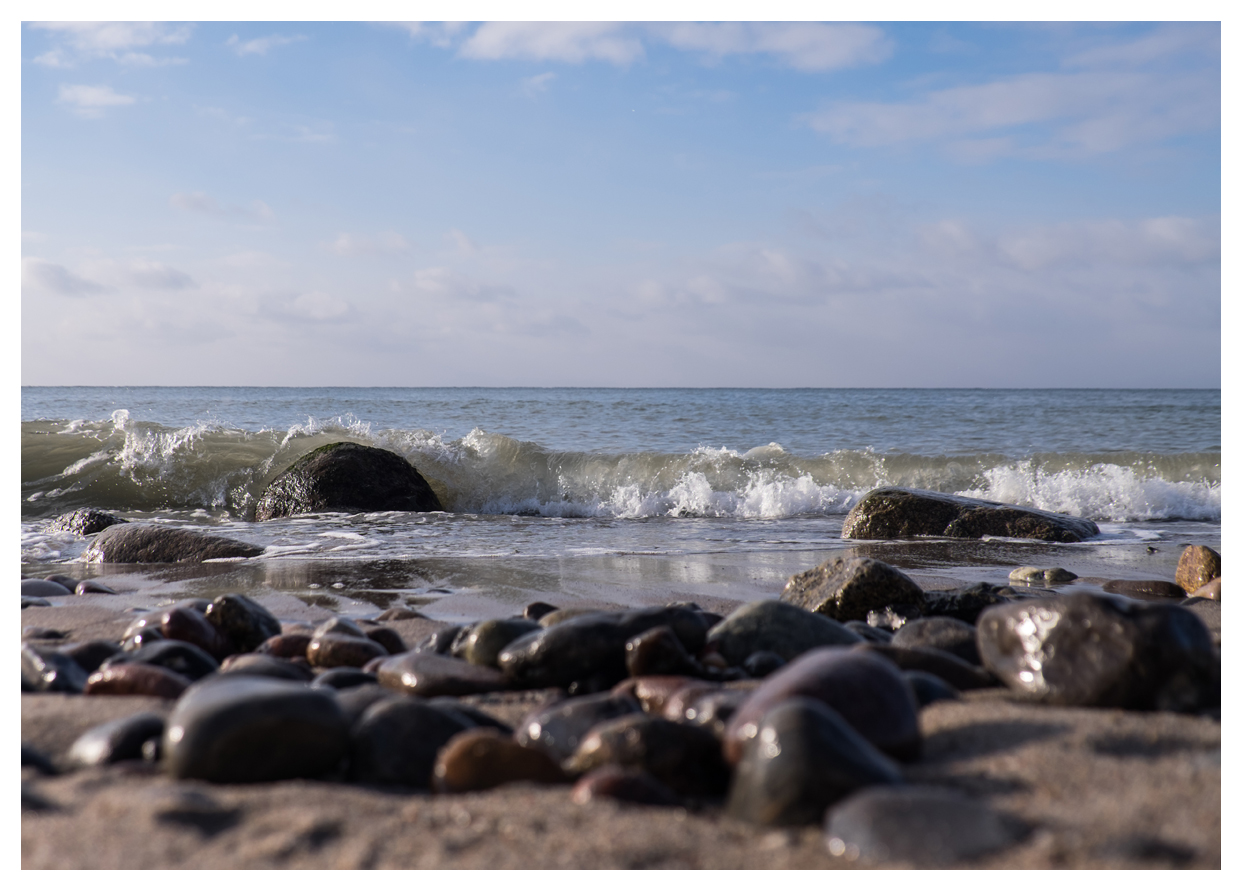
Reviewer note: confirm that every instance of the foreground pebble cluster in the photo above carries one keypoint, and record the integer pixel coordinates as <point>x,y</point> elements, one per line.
<point>803,710</point>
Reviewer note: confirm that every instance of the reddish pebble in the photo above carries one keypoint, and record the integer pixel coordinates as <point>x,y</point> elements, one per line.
<point>623,784</point>
<point>340,650</point>
<point>485,757</point>
<point>136,679</point>
<point>285,646</point>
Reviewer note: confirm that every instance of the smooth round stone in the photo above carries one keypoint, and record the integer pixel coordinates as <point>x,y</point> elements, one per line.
<point>565,613</point>
<point>190,625</point>
<point>653,692</point>
<point>244,623</point>
<point>762,663</point>
<point>658,651</point>
<point>476,716</point>
<point>90,654</point>
<point>427,675</point>
<point>537,610</point>
<point>338,625</point>
<point>1210,591</point>
<point>42,589</point>
<point>966,602</point>
<point>388,639</point>
<point>356,700</point>
<point>36,632</point>
<point>629,784</point>
<point>285,646</point>
<point>867,690</point>
<point>1102,651</point>
<point>91,586</point>
<point>198,604</point>
<point>684,757</point>
<point>712,710</point>
<point>152,543</point>
<point>486,639</point>
<point>243,729</point>
<point>922,826</point>
<point>398,613</point>
<point>343,678</point>
<point>928,688</point>
<point>396,740</point>
<point>868,632</point>
<point>68,581</point>
<point>940,633</point>
<point>1197,566</point>
<point>952,670</point>
<point>175,655</point>
<point>120,740</point>
<point>804,757</point>
<point>342,650</point>
<point>1144,589</point>
<point>136,679</point>
<point>1036,575</point>
<point>484,758</point>
<point>440,641</point>
<point>50,671</point>
<point>34,601</point>
<point>558,729</point>
<point>262,665</point>
<point>776,627</point>
<point>140,637</point>
<point>845,588</point>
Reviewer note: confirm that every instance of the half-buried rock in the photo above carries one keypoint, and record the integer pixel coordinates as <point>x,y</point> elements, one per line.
<point>776,627</point>
<point>84,521</point>
<point>847,588</point>
<point>143,543</point>
<point>346,476</point>
<point>905,513</point>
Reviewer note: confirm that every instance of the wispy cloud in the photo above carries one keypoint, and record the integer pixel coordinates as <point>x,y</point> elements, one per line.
<point>349,245</point>
<point>202,203</point>
<point>553,41</point>
<point>77,42</point>
<point>259,46</point>
<point>40,275</point>
<point>90,101</point>
<point>533,86</point>
<point>806,46</point>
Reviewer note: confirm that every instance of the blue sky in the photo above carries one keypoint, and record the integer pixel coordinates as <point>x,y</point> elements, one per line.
<point>596,204</point>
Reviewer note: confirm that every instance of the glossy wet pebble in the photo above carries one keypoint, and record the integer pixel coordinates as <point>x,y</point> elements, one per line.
<point>243,622</point>
<point>136,679</point>
<point>343,678</point>
<point>395,742</point>
<point>968,601</point>
<point>285,646</point>
<point>387,638</point>
<point>1144,589</point>
<point>262,665</point>
<point>46,670</point>
<point>629,784</point>
<point>928,688</point>
<point>776,627</point>
<point>487,638</point>
<point>658,651</point>
<point>762,663</point>
<point>558,729</point>
<point>92,586</point>
<point>952,670</point>
<point>42,589</point>
<point>398,613</point>
<point>537,610</point>
<point>336,650</point>
<point>250,729</point>
<point>1035,575</point>
<point>920,826</point>
<point>867,690</point>
<point>175,655</point>
<point>1197,566</point>
<point>119,740</point>
<point>91,654</point>
<point>190,625</point>
<point>803,758</point>
<point>485,757</point>
<point>426,675</point>
<point>940,633</point>
<point>686,758</point>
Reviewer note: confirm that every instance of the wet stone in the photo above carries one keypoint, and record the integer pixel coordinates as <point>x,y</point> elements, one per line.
<point>922,826</point>
<point>427,675</point>
<point>398,613</point>
<point>1197,566</point>
<point>658,652</point>
<point>32,757</point>
<point>684,757</point>
<point>262,665</point>
<point>395,742</point>
<point>191,626</point>
<point>484,758</point>
<point>967,602</point>
<point>475,716</point>
<point>628,784</point>
<point>342,650</point>
<point>175,655</point>
<point>1036,575</point>
<point>50,671</point>
<point>143,543</point>
<point>90,654</point>
<point>1210,591</point>
<point>866,689</point>
<point>120,740</point>
<point>250,729</point>
<point>712,710</point>
<point>558,729</point>
<point>84,521</point>
<point>565,613</point>
<point>338,625</point>
<point>1144,589</point>
<point>869,632</point>
<point>952,670</point>
<point>91,586</point>
<point>487,638</point>
<point>356,700</point>
<point>41,589</point>
<point>653,691</point>
<point>847,588</point>
<point>141,633</point>
<point>803,758</point>
<point>285,646</point>
<point>67,581</point>
<point>439,642</point>
<point>681,700</point>
<point>388,639</point>
<point>343,678</point>
<point>762,663</point>
<point>36,632</point>
<point>781,628</point>
<point>537,610</point>
<point>928,688</point>
<point>940,633</point>
<point>1088,650</point>
<point>244,623</point>
<point>34,601</point>
<point>136,679</point>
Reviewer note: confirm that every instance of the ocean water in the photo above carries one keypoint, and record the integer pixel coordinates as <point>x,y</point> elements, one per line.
<point>626,495</point>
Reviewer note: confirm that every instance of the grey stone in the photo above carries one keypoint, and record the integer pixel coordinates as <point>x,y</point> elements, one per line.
<point>781,628</point>
<point>46,670</point>
<point>175,655</point>
<point>396,740</point>
<point>41,589</point>
<point>487,638</point>
<point>142,543</point>
<point>243,622</point>
<point>558,729</point>
<point>684,757</point>
<point>426,675</point>
<point>1037,575</point>
<point>846,588</point>
<point>929,688</point>
<point>84,521</point>
<point>119,740</point>
<point>967,602</point>
<point>940,633</point>
<point>957,672</point>
<point>263,665</point>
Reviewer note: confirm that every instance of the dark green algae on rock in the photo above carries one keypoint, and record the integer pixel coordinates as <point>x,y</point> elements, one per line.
<point>346,476</point>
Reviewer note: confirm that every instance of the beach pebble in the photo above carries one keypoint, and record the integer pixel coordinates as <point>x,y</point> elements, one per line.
<point>41,589</point>
<point>148,543</point>
<point>243,622</point>
<point>84,521</point>
<point>954,671</point>
<point>92,586</point>
<point>50,671</point>
<point>91,654</point>
<point>776,627</point>
<point>537,610</point>
<point>285,646</point>
<point>1036,575</point>
<point>395,742</point>
<point>968,601</point>
<point>486,639</point>
<point>239,729</point>
<point>711,710</point>
<point>928,688</point>
<point>440,641</point>
<point>175,655</point>
<point>803,758</point>
<point>677,700</point>
<point>485,757</point>
<point>866,689</point>
<point>476,716</point>
<point>136,679</point>
<point>1089,650</point>
<point>263,665</point>
<point>65,580</point>
<point>653,691</point>
<point>940,633</point>
<point>917,825</point>
<point>869,632</point>
<point>398,613</point>
<point>845,588</point>
<point>558,729</point>
<point>337,625</point>
<point>356,700</point>
<point>658,651</point>
<point>32,757</point>
<point>119,740</point>
<point>762,663</point>
<point>36,632</point>
<point>343,678</point>
<point>141,634</point>
<point>387,638</point>
<point>565,613</point>
<point>1210,591</point>
<point>1197,566</point>
<point>34,601</point>
<point>628,784</point>
<point>191,625</point>
<point>1144,589</point>
<point>426,675</point>
<point>337,650</point>
<point>893,512</point>
<point>683,757</point>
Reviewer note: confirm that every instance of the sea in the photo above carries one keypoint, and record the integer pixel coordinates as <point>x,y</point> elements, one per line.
<point>617,496</point>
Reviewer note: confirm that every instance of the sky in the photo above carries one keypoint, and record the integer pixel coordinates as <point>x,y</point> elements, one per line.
<point>700,204</point>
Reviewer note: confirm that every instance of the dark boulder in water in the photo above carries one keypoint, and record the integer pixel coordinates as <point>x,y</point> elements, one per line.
<point>84,521</point>
<point>141,543</point>
<point>345,476</point>
<point>905,513</point>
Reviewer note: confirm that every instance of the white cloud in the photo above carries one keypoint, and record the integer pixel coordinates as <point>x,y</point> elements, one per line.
<point>439,34</point>
<point>553,42</point>
<point>202,203</point>
<point>807,46</point>
<point>90,101</point>
<point>316,306</point>
<point>148,274</point>
<point>349,245</point>
<point>260,45</point>
<point>119,41</point>
<point>533,86</point>
<point>462,243</point>
<point>53,278</point>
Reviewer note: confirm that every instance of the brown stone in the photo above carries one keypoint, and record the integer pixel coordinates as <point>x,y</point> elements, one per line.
<point>904,513</point>
<point>686,758</point>
<point>1210,591</point>
<point>285,646</point>
<point>623,784</point>
<point>1197,566</point>
<point>949,668</point>
<point>337,650</point>
<point>846,588</point>
<point>191,626</point>
<point>136,679</point>
<point>485,757</point>
<point>426,674</point>
<point>1144,589</point>
<point>387,638</point>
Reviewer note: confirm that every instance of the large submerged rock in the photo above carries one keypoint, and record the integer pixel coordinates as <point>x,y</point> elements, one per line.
<point>141,543</point>
<point>84,521</point>
<point>904,513</point>
<point>346,476</point>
